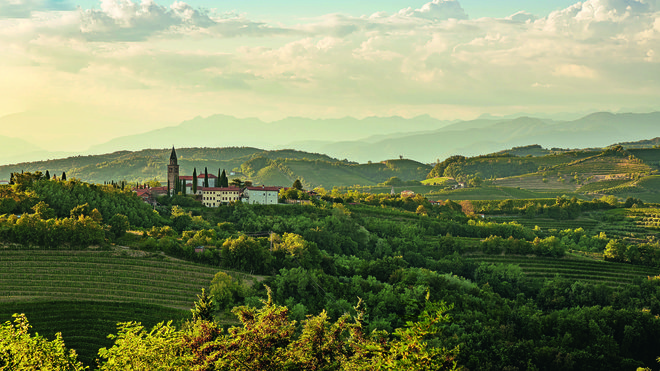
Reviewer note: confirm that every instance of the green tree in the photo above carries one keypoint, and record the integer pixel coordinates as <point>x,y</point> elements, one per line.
<point>615,251</point>
<point>421,210</point>
<point>63,176</point>
<point>194,181</point>
<point>297,185</point>
<point>206,177</point>
<point>19,350</point>
<point>119,225</point>
<point>42,211</point>
<point>137,349</point>
<point>203,309</point>
<point>224,182</point>
<point>47,175</point>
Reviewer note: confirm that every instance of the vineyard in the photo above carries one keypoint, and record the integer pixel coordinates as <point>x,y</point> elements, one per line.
<point>585,270</point>
<point>103,276</point>
<point>83,294</point>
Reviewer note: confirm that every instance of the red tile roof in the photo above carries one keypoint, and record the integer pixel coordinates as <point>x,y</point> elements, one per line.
<point>264,188</point>
<point>235,189</point>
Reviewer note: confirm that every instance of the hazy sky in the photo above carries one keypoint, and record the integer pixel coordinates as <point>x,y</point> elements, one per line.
<point>111,67</point>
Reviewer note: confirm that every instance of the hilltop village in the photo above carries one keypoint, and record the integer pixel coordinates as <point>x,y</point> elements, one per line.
<point>213,190</point>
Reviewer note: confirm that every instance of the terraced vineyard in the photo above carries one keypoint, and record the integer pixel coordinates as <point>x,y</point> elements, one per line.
<point>83,294</point>
<point>587,224</point>
<point>585,270</point>
<point>29,275</point>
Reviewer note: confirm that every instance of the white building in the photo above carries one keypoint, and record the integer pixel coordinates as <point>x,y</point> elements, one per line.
<point>216,196</point>
<point>261,195</point>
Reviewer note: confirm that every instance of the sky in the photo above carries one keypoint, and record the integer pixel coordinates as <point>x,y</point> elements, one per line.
<point>92,70</point>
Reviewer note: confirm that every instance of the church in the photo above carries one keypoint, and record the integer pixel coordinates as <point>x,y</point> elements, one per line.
<point>214,196</point>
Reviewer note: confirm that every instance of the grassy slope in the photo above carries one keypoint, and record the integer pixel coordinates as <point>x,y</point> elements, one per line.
<point>313,173</point>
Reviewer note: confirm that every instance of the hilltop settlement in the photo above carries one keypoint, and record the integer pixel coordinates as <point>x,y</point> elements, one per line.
<point>213,190</point>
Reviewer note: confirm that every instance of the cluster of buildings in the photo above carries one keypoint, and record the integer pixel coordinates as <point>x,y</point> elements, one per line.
<point>210,196</point>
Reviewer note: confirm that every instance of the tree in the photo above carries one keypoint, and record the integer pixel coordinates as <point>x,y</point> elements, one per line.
<point>183,187</point>
<point>224,182</point>
<point>119,225</point>
<point>21,351</point>
<point>194,184</point>
<point>297,185</point>
<point>237,182</point>
<point>203,309</point>
<point>63,176</point>
<point>47,175</point>
<point>206,177</point>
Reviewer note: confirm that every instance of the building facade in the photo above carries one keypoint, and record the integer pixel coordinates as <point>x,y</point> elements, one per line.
<point>261,195</point>
<point>216,196</point>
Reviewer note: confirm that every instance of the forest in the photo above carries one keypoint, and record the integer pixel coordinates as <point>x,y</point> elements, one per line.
<point>360,281</point>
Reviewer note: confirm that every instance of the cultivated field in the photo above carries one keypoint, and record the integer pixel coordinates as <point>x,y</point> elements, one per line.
<point>579,269</point>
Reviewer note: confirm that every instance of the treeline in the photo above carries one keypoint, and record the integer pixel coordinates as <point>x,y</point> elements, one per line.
<point>37,211</point>
<point>266,340</point>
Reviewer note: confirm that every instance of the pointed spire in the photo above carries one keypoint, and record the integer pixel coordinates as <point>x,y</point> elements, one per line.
<point>173,157</point>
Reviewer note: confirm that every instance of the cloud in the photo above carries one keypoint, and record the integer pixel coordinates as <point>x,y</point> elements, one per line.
<point>433,55</point>
<point>25,8</point>
<point>437,10</point>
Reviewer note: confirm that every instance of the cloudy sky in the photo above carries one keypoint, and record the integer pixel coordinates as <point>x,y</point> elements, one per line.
<point>104,68</point>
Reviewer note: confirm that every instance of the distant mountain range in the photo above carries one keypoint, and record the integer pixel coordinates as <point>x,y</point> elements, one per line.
<point>422,138</point>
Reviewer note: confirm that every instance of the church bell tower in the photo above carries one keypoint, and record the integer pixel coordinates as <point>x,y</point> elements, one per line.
<point>172,171</point>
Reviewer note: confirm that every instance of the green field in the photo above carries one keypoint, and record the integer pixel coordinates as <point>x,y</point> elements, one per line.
<point>438,181</point>
<point>29,275</point>
<point>582,269</point>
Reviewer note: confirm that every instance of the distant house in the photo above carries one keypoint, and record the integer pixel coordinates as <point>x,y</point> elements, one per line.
<point>407,193</point>
<point>261,195</point>
<point>158,191</point>
<point>4,182</point>
<point>216,196</point>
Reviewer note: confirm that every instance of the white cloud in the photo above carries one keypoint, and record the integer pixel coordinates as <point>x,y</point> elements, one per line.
<point>428,56</point>
<point>437,10</point>
<point>25,8</point>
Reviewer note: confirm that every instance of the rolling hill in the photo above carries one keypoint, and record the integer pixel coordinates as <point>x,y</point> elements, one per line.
<point>280,167</point>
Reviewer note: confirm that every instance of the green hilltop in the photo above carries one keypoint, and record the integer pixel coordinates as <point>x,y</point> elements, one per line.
<point>280,167</point>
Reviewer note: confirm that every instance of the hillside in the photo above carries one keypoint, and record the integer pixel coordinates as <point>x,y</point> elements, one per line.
<point>280,167</point>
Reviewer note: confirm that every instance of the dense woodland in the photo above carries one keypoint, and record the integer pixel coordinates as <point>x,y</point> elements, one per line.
<point>365,281</point>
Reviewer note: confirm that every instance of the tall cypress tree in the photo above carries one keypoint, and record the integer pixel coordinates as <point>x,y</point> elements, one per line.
<point>194,185</point>
<point>63,175</point>
<point>224,181</point>
<point>206,177</point>
<point>217,180</point>
<point>183,186</point>
<point>47,175</point>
